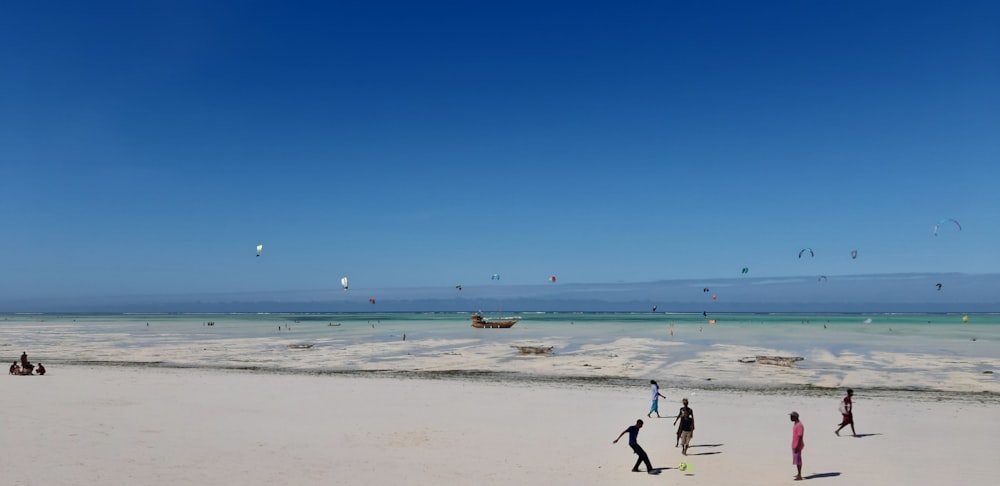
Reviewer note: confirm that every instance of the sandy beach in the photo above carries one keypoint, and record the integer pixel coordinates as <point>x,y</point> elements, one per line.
<point>133,425</point>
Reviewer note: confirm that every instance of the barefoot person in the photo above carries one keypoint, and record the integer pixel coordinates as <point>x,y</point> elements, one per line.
<point>686,429</point>
<point>798,443</point>
<point>655,407</point>
<point>847,411</point>
<point>633,432</point>
<point>680,413</point>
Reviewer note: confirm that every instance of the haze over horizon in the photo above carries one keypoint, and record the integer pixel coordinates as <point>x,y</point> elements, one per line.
<point>850,293</point>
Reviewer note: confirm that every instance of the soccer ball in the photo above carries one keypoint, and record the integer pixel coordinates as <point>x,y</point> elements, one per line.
<point>683,466</point>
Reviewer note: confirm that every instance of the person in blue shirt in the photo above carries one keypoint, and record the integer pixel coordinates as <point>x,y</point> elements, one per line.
<point>633,433</point>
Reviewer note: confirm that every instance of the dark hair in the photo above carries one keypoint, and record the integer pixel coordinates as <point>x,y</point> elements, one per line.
<point>638,422</point>
<point>850,391</point>
<point>652,382</point>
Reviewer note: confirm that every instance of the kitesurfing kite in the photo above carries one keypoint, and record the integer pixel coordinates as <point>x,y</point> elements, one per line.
<point>552,279</point>
<point>938,287</point>
<point>459,286</point>
<point>343,283</point>
<point>822,278</point>
<point>705,289</point>
<point>810,250</point>
<point>715,298</point>
<point>854,254</point>
<point>260,248</point>
<point>745,270</point>
<point>946,220</point>
<point>654,308</point>
<point>372,300</point>
<point>495,276</point>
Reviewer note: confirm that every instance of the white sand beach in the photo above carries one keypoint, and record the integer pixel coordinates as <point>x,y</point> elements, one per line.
<point>82,425</point>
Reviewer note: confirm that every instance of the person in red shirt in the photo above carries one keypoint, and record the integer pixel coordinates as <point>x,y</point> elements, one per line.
<point>847,410</point>
<point>798,443</point>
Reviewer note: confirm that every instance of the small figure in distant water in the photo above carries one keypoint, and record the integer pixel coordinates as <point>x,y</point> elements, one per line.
<point>633,432</point>
<point>798,443</point>
<point>404,336</point>
<point>41,369</point>
<point>655,407</point>
<point>847,410</point>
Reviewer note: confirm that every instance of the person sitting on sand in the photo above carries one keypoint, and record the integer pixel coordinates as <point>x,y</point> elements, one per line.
<point>13,369</point>
<point>41,369</point>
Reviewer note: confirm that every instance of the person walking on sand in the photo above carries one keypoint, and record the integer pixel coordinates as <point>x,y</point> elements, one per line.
<point>686,430</point>
<point>798,443</point>
<point>684,402</point>
<point>655,407</point>
<point>847,411</point>
<point>633,432</point>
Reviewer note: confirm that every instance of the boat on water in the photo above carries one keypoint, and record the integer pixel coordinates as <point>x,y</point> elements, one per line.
<point>478,321</point>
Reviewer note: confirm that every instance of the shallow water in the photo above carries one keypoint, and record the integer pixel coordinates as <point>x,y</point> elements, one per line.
<point>901,352</point>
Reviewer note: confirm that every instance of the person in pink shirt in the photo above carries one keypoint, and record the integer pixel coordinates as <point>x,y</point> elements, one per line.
<point>798,443</point>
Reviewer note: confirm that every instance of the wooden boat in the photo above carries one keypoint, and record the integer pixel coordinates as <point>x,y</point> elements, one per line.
<point>773,360</point>
<point>533,349</point>
<point>478,321</point>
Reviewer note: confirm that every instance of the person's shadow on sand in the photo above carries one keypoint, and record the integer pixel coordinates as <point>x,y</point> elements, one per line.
<point>705,445</point>
<point>706,453</point>
<point>822,475</point>
<point>861,436</point>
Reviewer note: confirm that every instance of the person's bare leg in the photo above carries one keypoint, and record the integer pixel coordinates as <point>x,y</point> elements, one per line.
<point>798,477</point>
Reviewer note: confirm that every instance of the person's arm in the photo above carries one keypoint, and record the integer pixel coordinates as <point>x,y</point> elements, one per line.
<point>619,436</point>
<point>678,417</point>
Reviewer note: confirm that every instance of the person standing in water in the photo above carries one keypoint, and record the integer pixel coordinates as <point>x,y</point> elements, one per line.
<point>655,407</point>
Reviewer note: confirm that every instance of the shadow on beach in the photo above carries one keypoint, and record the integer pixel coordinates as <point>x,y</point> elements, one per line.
<point>706,445</point>
<point>822,475</point>
<point>861,436</point>
<point>706,453</point>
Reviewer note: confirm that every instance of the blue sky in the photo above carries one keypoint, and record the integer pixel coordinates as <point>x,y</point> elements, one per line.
<point>147,148</point>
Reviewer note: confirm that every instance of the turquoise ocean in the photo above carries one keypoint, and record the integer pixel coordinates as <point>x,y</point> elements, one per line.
<point>933,354</point>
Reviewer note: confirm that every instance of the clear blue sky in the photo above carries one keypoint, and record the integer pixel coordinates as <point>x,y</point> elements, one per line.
<point>148,147</point>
